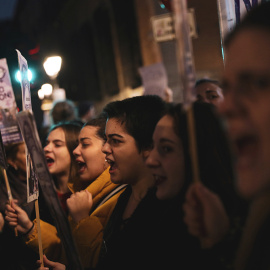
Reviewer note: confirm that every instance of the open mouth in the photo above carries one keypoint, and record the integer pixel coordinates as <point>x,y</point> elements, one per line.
<point>246,147</point>
<point>50,161</point>
<point>158,179</point>
<point>246,144</point>
<point>81,166</point>
<point>112,165</point>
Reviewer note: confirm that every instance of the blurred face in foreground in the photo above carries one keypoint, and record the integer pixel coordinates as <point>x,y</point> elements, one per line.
<point>166,160</point>
<point>246,108</point>
<point>90,159</point>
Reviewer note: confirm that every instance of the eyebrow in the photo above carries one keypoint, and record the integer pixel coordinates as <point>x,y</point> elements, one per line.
<point>85,138</point>
<point>162,140</point>
<point>55,141</point>
<point>114,134</point>
<point>210,91</point>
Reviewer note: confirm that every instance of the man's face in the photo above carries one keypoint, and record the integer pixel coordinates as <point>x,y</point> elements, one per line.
<point>246,108</point>
<point>209,93</point>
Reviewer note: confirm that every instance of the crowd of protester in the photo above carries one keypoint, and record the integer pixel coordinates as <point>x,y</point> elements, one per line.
<point>134,192</point>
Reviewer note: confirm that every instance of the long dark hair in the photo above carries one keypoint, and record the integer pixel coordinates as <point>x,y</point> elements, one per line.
<point>216,164</point>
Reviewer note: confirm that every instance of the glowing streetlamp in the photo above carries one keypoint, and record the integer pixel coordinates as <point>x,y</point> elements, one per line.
<point>18,75</point>
<point>52,66</point>
<point>48,93</point>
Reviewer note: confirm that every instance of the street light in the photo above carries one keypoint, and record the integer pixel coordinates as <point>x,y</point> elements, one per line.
<point>52,66</point>
<point>48,93</point>
<point>18,76</point>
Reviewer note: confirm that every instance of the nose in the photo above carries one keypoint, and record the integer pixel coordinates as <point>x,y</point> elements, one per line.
<point>76,152</point>
<point>232,105</point>
<point>106,149</point>
<point>47,148</point>
<point>152,160</point>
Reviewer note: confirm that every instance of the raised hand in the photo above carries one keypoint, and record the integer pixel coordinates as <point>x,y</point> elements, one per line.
<point>205,215</point>
<point>2,222</point>
<point>79,205</point>
<point>17,218</point>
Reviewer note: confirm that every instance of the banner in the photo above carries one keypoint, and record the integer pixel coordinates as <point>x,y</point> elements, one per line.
<point>154,79</point>
<point>30,134</point>
<point>8,108</point>
<point>25,84</point>
<point>3,158</point>
<point>32,183</point>
<point>230,13</point>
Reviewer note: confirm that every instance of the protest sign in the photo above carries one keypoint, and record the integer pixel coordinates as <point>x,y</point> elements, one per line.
<point>30,134</point>
<point>231,12</point>
<point>3,159</point>
<point>32,183</point>
<point>25,84</point>
<point>8,107</point>
<point>154,79</point>
<point>4,166</point>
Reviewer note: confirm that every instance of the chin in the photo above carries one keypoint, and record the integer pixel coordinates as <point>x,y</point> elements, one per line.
<point>247,187</point>
<point>84,178</point>
<point>162,195</point>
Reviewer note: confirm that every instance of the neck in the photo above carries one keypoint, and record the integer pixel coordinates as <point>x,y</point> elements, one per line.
<point>61,183</point>
<point>142,185</point>
<point>139,191</point>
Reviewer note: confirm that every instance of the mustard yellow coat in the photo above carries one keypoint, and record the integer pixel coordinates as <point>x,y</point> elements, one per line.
<point>87,234</point>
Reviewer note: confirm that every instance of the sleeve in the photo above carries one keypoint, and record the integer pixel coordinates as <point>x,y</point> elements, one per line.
<point>88,236</point>
<point>51,243</point>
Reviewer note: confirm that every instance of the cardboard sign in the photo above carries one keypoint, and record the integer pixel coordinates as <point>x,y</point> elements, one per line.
<point>29,130</point>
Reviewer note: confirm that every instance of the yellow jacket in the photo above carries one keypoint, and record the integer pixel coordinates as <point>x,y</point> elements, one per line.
<point>88,233</point>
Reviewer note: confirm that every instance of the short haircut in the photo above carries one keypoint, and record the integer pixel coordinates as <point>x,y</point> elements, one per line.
<point>206,80</point>
<point>138,115</point>
<point>64,110</point>
<point>84,107</point>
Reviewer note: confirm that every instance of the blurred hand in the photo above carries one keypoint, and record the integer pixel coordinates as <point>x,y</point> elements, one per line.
<point>205,215</point>
<point>168,95</point>
<point>79,205</point>
<point>2,222</point>
<point>17,218</point>
<point>50,265</point>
